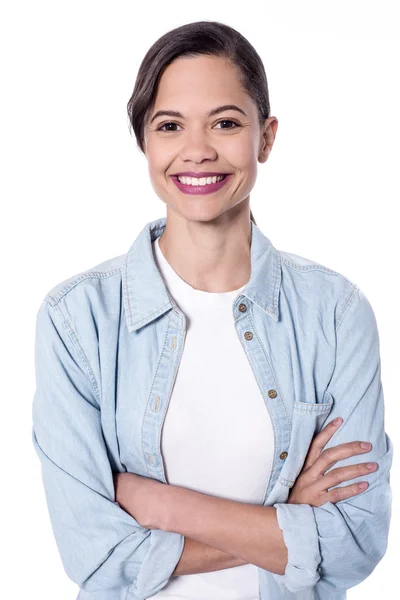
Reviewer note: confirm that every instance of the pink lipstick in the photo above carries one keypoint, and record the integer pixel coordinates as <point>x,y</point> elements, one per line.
<point>208,188</point>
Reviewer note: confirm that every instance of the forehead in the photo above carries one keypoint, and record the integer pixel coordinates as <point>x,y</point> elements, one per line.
<point>199,83</point>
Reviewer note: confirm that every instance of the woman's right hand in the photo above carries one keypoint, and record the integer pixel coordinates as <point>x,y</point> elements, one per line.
<point>312,485</point>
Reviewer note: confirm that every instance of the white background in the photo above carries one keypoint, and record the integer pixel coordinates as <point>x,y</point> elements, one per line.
<point>75,191</point>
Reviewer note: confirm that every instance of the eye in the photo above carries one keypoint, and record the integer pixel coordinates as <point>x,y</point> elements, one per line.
<point>169,123</point>
<point>228,121</point>
<point>222,121</point>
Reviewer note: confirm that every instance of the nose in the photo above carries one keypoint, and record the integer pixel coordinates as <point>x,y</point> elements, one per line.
<point>196,147</point>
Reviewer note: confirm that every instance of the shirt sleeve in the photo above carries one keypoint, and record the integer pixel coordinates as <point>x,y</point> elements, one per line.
<point>339,544</point>
<point>101,546</point>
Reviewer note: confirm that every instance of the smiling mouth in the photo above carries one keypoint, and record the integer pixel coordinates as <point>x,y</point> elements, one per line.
<point>201,188</point>
<point>219,178</point>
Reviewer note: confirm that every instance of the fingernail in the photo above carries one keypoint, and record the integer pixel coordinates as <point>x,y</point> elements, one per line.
<point>365,445</point>
<point>363,486</point>
<point>336,421</point>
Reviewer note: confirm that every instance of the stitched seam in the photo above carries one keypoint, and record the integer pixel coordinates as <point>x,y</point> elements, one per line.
<point>315,407</point>
<point>75,342</point>
<point>316,267</point>
<point>138,323</point>
<point>273,374</point>
<point>149,317</point>
<point>154,378</point>
<point>275,297</point>
<point>269,364</point>
<point>53,300</point>
<point>348,302</point>
<point>127,289</point>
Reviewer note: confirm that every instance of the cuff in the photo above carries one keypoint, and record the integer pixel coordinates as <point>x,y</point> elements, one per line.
<point>165,550</point>
<point>300,535</point>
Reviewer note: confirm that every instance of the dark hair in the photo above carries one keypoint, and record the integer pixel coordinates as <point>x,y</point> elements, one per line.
<point>211,38</point>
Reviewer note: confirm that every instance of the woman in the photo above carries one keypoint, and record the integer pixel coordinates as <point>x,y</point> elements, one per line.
<point>208,360</point>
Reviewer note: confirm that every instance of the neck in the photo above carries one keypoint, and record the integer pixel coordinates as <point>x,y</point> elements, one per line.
<point>212,256</point>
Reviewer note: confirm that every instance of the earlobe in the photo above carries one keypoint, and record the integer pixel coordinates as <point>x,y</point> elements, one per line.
<point>264,152</point>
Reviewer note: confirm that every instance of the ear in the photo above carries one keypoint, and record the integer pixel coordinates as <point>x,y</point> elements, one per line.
<point>267,139</point>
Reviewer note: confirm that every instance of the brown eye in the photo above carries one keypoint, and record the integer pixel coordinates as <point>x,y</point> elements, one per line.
<point>169,123</point>
<point>228,121</point>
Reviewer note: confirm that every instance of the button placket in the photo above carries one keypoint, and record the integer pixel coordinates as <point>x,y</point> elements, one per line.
<point>256,357</point>
<point>158,405</point>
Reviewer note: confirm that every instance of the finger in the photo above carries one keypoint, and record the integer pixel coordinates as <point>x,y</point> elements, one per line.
<point>342,493</point>
<point>319,441</point>
<point>331,456</point>
<point>342,474</point>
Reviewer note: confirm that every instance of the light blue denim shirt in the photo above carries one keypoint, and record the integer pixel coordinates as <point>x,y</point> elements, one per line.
<point>108,345</point>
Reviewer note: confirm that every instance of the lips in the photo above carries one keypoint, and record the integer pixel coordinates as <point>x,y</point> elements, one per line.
<point>208,188</point>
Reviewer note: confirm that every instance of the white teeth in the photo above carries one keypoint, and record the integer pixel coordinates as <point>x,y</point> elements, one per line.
<point>199,181</point>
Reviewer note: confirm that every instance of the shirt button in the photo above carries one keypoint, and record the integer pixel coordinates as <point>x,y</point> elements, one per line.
<point>242,307</point>
<point>272,393</point>
<point>283,455</point>
<point>156,405</point>
<point>248,335</point>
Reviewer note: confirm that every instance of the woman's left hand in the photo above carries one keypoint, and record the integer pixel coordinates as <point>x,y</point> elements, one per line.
<point>141,497</point>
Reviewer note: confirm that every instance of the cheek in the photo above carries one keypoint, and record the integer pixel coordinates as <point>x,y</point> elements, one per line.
<point>159,162</point>
<point>240,152</point>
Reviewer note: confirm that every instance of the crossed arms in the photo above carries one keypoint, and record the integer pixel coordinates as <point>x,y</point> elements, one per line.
<point>218,533</point>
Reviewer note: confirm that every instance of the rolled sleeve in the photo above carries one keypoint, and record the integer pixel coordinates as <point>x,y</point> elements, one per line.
<point>337,545</point>
<point>297,523</point>
<point>101,546</point>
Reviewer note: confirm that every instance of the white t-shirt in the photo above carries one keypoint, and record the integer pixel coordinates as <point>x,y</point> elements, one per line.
<point>215,390</point>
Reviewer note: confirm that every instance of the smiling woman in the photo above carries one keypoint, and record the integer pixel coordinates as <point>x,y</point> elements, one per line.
<point>182,387</point>
<point>194,64</point>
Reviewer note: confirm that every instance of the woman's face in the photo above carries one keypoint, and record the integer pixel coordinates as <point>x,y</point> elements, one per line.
<point>226,142</point>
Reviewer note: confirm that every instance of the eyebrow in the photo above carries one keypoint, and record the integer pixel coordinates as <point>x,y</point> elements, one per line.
<point>214,111</point>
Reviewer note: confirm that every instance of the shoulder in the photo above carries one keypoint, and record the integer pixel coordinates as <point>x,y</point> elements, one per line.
<point>321,286</point>
<point>90,301</point>
<point>89,306</point>
<point>304,265</point>
<point>105,274</point>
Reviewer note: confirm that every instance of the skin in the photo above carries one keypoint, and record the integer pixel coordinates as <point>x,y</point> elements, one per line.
<point>207,237</point>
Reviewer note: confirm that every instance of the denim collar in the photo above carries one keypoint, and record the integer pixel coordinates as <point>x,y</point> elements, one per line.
<point>145,294</point>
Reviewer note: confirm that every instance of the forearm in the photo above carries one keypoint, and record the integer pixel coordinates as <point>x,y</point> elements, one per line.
<point>200,558</point>
<point>245,531</point>
<point>142,498</point>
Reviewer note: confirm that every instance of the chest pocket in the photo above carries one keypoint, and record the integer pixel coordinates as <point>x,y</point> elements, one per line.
<point>308,419</point>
